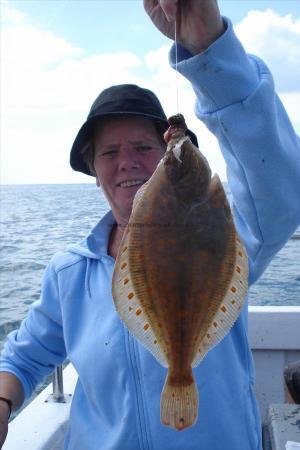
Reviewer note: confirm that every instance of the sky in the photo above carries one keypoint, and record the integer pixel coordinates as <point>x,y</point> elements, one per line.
<point>57,55</point>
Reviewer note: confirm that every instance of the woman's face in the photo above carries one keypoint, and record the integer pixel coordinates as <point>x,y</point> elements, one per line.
<point>127,151</point>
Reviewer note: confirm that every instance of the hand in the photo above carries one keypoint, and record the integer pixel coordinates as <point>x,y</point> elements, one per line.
<point>198,22</point>
<point>3,422</point>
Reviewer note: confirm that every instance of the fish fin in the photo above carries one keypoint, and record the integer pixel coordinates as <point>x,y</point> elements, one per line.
<point>230,308</point>
<point>129,307</point>
<point>179,405</point>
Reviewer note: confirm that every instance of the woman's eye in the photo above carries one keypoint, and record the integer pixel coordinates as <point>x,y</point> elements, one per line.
<point>108,153</point>
<point>144,147</point>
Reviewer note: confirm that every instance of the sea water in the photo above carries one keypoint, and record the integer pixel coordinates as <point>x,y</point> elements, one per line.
<point>38,220</point>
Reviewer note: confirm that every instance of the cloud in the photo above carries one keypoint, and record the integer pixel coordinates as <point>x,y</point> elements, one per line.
<point>10,15</point>
<point>276,39</point>
<point>47,86</point>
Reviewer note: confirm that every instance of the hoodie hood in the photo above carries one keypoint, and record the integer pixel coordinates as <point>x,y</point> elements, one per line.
<point>94,246</point>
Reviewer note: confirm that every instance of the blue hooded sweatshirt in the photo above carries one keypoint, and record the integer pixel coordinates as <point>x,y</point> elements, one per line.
<point>116,404</point>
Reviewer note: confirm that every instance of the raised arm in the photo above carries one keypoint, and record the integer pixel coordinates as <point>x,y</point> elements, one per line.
<point>237,102</point>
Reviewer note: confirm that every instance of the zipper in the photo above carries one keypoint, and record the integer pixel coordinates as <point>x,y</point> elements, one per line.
<point>141,414</point>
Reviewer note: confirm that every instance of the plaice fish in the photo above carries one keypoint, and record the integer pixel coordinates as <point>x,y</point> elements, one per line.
<point>181,272</point>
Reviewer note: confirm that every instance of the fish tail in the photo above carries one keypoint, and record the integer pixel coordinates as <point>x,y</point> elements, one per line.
<point>179,404</point>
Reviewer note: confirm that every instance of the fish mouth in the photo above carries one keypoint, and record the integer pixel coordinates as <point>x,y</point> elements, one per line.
<point>129,183</point>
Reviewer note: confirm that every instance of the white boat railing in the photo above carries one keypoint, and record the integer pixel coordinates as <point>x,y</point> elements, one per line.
<point>58,395</point>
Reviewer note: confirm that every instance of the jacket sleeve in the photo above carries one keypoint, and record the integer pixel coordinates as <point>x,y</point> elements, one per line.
<point>33,351</point>
<point>237,102</point>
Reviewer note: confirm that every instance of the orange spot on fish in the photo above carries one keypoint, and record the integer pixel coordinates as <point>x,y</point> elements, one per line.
<point>232,302</point>
<point>240,253</point>
<point>223,308</point>
<point>130,295</point>
<point>215,324</point>
<point>238,269</point>
<point>123,265</point>
<point>146,326</point>
<point>126,280</point>
<point>138,312</point>
<point>233,289</point>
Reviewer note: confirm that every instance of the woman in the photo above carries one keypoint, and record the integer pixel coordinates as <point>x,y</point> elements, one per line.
<point>116,401</point>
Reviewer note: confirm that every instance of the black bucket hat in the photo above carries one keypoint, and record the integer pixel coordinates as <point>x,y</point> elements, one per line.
<point>121,99</point>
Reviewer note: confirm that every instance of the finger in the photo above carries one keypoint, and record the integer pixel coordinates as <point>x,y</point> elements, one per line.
<point>169,7</point>
<point>149,4</point>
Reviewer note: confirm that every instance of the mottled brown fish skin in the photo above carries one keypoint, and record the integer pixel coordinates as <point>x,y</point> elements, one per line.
<point>181,254</point>
<point>185,242</point>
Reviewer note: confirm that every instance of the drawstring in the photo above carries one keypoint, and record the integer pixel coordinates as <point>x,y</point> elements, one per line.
<point>87,277</point>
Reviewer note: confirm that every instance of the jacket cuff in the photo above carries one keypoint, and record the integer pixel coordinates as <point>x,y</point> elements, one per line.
<point>222,75</point>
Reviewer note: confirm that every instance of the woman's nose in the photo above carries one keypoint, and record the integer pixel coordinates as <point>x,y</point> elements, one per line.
<point>128,158</point>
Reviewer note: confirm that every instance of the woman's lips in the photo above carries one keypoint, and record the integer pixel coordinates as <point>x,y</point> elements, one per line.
<point>130,183</point>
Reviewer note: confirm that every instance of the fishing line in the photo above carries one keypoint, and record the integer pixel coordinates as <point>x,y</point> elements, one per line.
<point>176,71</point>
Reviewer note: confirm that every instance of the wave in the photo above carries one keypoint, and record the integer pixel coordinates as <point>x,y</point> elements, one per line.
<point>30,266</point>
<point>8,248</point>
<point>7,327</point>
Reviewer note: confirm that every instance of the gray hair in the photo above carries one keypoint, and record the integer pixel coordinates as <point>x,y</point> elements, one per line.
<point>88,155</point>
